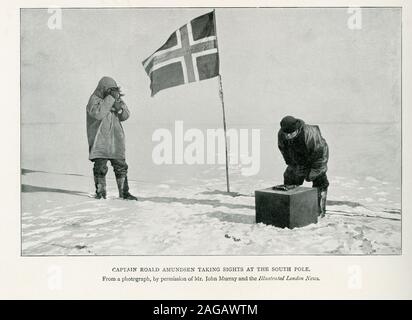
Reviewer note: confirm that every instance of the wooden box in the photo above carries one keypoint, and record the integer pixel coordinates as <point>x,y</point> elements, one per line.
<point>293,208</point>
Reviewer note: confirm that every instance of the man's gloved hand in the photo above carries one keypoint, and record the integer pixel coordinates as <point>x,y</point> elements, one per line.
<point>117,106</point>
<point>312,175</point>
<point>284,187</point>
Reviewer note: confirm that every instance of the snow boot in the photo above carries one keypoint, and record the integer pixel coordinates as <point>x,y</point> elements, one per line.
<point>100,184</point>
<point>123,187</point>
<point>322,202</point>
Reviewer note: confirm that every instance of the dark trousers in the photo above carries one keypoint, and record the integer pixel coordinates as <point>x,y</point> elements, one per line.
<point>292,176</point>
<point>119,167</point>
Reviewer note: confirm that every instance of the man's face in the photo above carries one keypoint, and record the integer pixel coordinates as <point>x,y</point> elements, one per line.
<point>113,89</point>
<point>291,135</point>
<point>114,92</point>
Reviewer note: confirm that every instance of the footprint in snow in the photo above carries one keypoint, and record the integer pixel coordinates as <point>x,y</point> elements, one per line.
<point>231,237</point>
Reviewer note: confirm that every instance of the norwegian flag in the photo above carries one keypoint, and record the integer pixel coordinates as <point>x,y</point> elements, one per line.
<point>190,54</point>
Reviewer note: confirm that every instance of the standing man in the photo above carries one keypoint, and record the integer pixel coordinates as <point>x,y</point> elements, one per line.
<point>306,154</point>
<point>105,112</point>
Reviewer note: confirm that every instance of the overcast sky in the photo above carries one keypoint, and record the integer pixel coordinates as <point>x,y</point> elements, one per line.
<point>304,62</point>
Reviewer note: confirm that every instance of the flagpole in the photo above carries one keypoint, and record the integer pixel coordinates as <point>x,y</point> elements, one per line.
<point>223,109</point>
<point>224,129</point>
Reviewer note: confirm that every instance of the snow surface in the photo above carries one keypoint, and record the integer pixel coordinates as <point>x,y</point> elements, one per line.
<point>60,217</point>
<point>182,209</point>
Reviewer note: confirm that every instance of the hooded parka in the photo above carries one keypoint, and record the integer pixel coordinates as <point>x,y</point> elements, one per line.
<point>104,129</point>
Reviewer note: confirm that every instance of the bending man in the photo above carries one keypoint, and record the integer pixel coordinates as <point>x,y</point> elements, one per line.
<point>306,154</point>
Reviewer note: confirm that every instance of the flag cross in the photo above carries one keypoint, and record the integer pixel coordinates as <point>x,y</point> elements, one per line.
<point>177,63</point>
<point>186,51</point>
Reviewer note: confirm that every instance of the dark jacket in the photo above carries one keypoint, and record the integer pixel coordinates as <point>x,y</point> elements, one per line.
<point>104,130</point>
<point>308,149</point>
